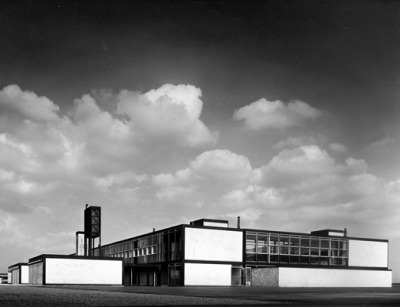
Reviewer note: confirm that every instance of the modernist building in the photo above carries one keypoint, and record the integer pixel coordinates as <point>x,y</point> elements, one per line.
<point>18,273</point>
<point>3,278</point>
<point>208,252</point>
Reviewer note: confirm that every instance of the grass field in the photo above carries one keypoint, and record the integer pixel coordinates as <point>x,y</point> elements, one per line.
<point>20,295</point>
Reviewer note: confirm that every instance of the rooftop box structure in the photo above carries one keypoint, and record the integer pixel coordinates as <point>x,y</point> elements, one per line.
<point>210,223</point>
<point>330,232</point>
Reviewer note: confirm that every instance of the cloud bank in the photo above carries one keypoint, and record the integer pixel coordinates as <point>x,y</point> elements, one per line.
<point>51,164</point>
<point>263,114</point>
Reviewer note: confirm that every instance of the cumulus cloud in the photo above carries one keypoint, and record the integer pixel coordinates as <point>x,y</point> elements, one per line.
<point>302,187</point>
<point>211,173</point>
<point>50,162</point>
<point>39,145</point>
<point>263,114</point>
<point>27,104</point>
<point>169,111</point>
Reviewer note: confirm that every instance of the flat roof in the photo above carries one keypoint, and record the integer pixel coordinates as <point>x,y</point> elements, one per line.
<point>19,264</point>
<point>244,230</point>
<point>43,256</point>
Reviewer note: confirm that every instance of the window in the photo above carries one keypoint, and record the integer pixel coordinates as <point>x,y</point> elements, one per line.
<point>294,245</point>
<point>273,239</point>
<point>274,249</point>
<point>314,242</point>
<point>314,251</point>
<point>324,252</point>
<point>294,250</point>
<point>262,243</point>
<point>284,250</point>
<point>305,251</point>
<point>263,248</point>
<point>284,240</point>
<point>305,241</point>
<point>251,242</point>
<point>324,243</point>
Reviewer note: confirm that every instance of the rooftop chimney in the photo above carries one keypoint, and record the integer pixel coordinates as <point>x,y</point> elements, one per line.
<point>345,232</point>
<point>238,222</point>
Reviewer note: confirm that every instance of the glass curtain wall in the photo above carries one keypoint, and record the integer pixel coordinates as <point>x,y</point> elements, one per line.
<point>159,247</point>
<point>279,248</point>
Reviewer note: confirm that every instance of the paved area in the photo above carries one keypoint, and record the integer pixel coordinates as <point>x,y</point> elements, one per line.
<point>15,295</point>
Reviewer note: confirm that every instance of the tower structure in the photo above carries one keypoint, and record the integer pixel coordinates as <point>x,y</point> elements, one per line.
<point>92,228</point>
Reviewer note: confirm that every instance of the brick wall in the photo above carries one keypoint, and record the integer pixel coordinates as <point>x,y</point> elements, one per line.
<point>265,277</point>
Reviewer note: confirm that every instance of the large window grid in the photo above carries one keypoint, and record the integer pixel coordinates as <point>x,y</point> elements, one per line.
<point>278,248</point>
<point>157,247</point>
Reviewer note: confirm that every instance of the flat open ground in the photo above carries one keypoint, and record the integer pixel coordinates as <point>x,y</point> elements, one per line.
<point>19,295</point>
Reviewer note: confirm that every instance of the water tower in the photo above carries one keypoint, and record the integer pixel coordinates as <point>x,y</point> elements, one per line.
<point>92,228</point>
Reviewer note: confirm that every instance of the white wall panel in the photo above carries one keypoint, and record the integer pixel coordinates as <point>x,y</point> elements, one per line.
<point>24,274</point>
<point>201,274</point>
<point>305,277</point>
<point>213,244</point>
<point>83,271</point>
<point>215,224</point>
<point>368,253</point>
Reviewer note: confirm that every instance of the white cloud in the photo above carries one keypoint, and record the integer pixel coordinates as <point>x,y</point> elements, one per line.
<point>263,114</point>
<point>214,170</point>
<point>301,188</point>
<point>170,111</point>
<point>49,162</point>
<point>27,104</point>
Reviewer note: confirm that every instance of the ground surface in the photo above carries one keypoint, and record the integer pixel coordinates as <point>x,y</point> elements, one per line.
<point>19,295</point>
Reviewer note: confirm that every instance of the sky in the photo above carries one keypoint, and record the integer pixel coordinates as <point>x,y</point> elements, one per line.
<point>285,113</point>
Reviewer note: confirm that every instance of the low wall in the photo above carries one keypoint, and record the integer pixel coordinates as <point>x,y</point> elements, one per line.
<point>309,277</point>
<point>67,270</point>
<point>202,274</point>
<point>83,271</point>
